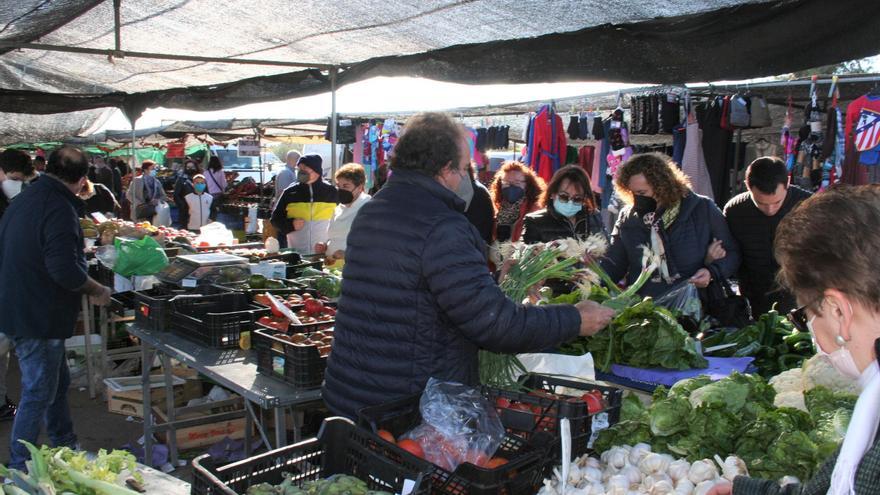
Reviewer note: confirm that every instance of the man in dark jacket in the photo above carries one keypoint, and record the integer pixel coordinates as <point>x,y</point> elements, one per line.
<point>479,211</point>
<point>753,217</point>
<point>304,210</point>
<point>417,298</point>
<point>42,277</point>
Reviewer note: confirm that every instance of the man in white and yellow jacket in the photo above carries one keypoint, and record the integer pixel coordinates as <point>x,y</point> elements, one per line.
<point>304,210</point>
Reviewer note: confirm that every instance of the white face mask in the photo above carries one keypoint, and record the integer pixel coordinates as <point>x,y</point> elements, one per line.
<point>11,187</point>
<point>841,358</point>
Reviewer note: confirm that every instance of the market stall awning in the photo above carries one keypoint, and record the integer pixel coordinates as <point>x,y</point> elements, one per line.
<point>472,41</point>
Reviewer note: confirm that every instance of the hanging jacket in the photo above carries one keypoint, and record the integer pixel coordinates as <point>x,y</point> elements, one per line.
<point>418,301</point>
<point>314,203</point>
<point>687,240</point>
<point>547,225</point>
<point>547,143</point>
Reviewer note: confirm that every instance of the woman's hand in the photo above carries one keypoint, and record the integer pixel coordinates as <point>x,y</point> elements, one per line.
<point>320,248</point>
<point>702,278</point>
<point>721,488</point>
<point>715,252</point>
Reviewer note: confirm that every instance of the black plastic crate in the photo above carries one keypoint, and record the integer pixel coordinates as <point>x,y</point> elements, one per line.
<point>300,366</point>
<point>543,412</point>
<point>284,293</point>
<point>295,270</point>
<point>340,448</point>
<point>152,308</point>
<point>292,288</point>
<point>215,321</point>
<point>522,474</point>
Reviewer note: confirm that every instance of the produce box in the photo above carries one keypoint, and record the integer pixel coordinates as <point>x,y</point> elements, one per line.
<point>340,448</point>
<point>152,308</point>
<point>215,321</point>
<point>547,399</point>
<point>297,363</point>
<point>125,394</point>
<point>194,437</point>
<point>523,472</point>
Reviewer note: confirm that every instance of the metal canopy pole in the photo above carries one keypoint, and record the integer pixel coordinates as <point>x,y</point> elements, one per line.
<point>117,23</point>
<point>333,121</point>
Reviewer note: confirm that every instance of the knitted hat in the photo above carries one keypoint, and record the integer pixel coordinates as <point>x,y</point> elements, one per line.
<point>313,161</point>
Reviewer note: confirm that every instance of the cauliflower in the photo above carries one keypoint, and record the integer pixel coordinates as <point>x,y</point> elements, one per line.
<point>788,381</point>
<point>818,371</point>
<point>793,399</point>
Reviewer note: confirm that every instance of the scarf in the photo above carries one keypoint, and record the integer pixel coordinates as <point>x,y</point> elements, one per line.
<point>860,433</point>
<point>657,225</point>
<point>508,214</point>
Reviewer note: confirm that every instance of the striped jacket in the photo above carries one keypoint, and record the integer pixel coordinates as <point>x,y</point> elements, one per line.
<point>313,203</point>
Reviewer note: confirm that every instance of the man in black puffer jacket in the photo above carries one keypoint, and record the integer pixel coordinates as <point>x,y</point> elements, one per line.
<point>417,298</point>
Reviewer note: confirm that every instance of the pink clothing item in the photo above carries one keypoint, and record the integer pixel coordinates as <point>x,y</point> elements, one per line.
<point>694,162</point>
<point>216,181</point>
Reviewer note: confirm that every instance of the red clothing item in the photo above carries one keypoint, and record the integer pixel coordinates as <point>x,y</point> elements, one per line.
<point>587,161</point>
<point>550,144</point>
<point>853,171</point>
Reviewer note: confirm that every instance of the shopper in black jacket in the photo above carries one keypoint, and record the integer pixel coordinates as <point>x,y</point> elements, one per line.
<point>99,199</point>
<point>569,209</point>
<point>480,212</point>
<point>685,226</point>
<point>753,217</point>
<point>417,298</point>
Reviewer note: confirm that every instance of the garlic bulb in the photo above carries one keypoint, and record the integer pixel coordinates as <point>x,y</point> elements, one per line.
<point>632,474</point>
<point>703,470</point>
<point>549,488</point>
<point>593,463</point>
<point>638,452</point>
<point>574,474</point>
<point>653,463</point>
<point>662,487</point>
<point>678,470</point>
<point>684,487</point>
<point>617,458</point>
<point>591,475</point>
<point>617,485</point>
<point>595,489</point>
<point>732,467</point>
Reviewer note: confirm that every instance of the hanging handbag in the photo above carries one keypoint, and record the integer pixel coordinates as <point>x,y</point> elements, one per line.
<point>760,112</point>
<point>145,210</point>
<point>739,111</point>
<point>723,304</point>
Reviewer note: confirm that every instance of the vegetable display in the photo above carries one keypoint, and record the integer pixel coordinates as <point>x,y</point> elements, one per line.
<point>337,484</point>
<point>772,340</point>
<point>625,470</point>
<point>698,418</point>
<point>62,470</point>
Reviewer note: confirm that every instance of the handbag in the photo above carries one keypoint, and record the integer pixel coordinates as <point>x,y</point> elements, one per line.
<point>145,210</point>
<point>723,304</point>
<point>760,113</point>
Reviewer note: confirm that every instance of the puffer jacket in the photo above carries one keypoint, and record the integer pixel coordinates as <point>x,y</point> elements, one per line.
<point>547,225</point>
<point>314,203</point>
<point>418,300</point>
<point>699,221</point>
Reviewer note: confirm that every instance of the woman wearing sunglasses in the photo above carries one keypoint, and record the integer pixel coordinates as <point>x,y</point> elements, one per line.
<point>833,274</point>
<point>687,231</point>
<point>569,209</point>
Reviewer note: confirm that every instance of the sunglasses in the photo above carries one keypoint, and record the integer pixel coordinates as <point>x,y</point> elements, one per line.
<point>798,318</point>
<point>567,198</point>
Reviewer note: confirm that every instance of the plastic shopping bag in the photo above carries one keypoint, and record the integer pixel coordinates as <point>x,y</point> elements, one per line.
<point>459,425</point>
<point>685,298</point>
<point>162,218</point>
<point>141,257</point>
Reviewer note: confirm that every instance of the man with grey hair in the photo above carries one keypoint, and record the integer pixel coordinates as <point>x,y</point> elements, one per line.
<point>287,176</point>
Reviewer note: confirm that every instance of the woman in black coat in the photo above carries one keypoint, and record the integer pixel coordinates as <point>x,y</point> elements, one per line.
<point>569,210</point>
<point>687,230</point>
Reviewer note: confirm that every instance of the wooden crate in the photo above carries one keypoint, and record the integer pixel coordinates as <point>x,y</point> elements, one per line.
<point>210,433</point>
<point>125,395</point>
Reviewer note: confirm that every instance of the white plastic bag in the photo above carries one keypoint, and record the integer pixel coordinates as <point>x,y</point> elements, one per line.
<point>162,218</point>
<point>215,234</point>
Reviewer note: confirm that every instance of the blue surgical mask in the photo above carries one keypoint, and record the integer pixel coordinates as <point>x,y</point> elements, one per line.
<point>154,172</point>
<point>566,208</point>
<point>200,188</point>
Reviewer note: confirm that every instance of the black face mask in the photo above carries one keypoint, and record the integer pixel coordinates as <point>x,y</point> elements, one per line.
<point>345,197</point>
<point>644,205</point>
<point>513,193</point>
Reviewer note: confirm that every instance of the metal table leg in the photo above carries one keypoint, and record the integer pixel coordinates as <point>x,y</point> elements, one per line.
<point>280,427</point>
<point>298,421</point>
<point>252,414</point>
<point>171,434</point>
<point>87,337</point>
<point>103,327</point>
<point>147,354</point>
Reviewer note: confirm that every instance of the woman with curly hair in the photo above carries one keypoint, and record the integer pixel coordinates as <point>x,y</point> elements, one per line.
<point>685,230</point>
<point>569,209</point>
<point>516,192</point>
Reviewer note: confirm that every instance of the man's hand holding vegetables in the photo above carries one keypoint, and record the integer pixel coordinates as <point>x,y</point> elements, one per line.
<point>594,317</point>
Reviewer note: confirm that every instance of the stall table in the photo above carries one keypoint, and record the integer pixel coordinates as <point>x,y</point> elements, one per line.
<point>233,369</point>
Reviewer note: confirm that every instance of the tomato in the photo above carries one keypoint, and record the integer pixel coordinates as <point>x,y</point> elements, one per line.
<point>265,320</point>
<point>594,401</point>
<point>519,406</point>
<point>495,462</point>
<point>204,244</point>
<point>313,307</point>
<point>476,457</point>
<point>502,402</point>
<point>386,435</point>
<point>307,296</point>
<point>329,311</point>
<point>262,299</point>
<point>412,447</point>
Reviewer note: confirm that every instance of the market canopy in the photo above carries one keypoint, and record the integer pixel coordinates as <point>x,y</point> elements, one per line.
<point>469,41</point>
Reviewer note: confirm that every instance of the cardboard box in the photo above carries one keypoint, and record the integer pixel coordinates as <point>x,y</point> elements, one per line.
<point>208,434</point>
<point>125,394</point>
